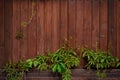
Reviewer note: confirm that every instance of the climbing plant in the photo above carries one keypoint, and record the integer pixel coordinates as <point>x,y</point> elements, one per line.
<point>24,24</point>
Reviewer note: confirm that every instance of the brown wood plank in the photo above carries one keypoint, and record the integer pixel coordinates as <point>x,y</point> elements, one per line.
<point>72,22</point>
<point>103,24</point>
<point>112,28</point>
<point>55,25</point>
<point>24,40</point>
<point>40,27</point>
<point>118,28</point>
<point>48,25</point>
<point>2,62</point>
<point>79,26</point>
<point>2,33</point>
<point>115,25</point>
<point>32,40</point>
<point>16,27</point>
<point>2,23</point>
<point>79,23</point>
<point>63,21</point>
<point>87,23</point>
<point>8,30</point>
<point>95,25</point>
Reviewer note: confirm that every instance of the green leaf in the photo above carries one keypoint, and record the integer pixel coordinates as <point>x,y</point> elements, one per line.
<point>59,68</point>
<point>35,63</point>
<point>66,75</point>
<point>118,64</point>
<point>102,60</point>
<point>63,67</point>
<point>42,67</point>
<point>54,67</point>
<point>29,63</point>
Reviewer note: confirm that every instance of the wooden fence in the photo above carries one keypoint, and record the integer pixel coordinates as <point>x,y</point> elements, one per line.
<point>85,23</point>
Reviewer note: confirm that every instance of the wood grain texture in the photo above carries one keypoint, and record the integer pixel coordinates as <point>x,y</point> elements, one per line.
<point>95,25</point>
<point>87,23</point>
<point>40,27</point>
<point>55,25</point>
<point>32,28</point>
<point>16,28</point>
<point>2,24</point>
<point>63,21</point>
<point>24,18</point>
<point>79,23</point>
<point>2,33</point>
<point>118,28</point>
<point>72,22</point>
<point>103,24</point>
<point>115,28</point>
<point>112,28</point>
<point>48,25</point>
<point>8,31</point>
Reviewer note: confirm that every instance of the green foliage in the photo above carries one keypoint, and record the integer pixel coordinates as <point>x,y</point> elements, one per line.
<point>63,60</point>
<point>100,60</point>
<point>15,71</point>
<point>40,62</point>
<point>66,75</point>
<point>28,64</point>
<point>12,72</point>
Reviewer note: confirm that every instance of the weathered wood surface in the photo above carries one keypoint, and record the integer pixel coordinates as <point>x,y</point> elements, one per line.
<point>84,23</point>
<point>77,74</point>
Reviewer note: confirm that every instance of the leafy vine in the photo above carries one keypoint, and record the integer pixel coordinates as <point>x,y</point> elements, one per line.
<point>60,62</point>
<point>20,34</point>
